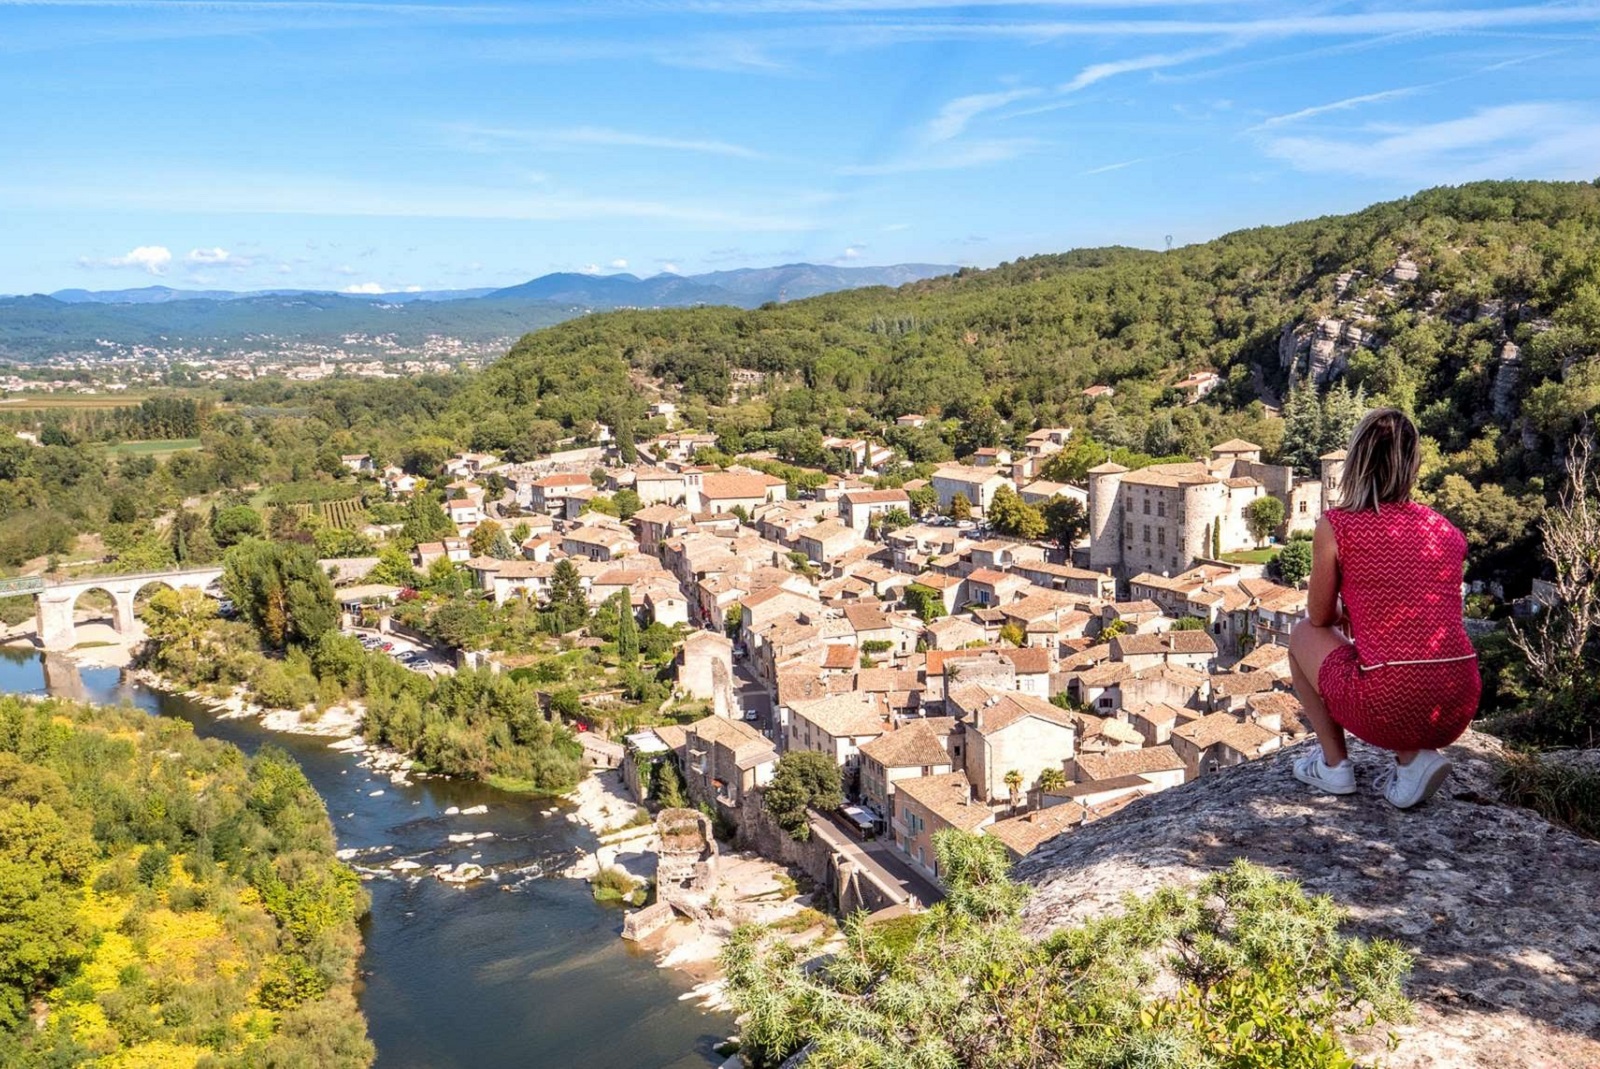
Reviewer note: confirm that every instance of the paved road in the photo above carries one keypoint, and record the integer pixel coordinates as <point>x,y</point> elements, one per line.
<point>878,857</point>
<point>749,696</point>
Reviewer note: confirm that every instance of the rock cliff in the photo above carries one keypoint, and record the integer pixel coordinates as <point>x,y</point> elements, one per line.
<point>1497,904</point>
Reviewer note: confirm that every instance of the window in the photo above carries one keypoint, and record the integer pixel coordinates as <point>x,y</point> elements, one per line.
<point>1161,536</point>
<point>1105,703</point>
<point>1161,507</point>
<point>1147,532</point>
<point>1147,506</point>
<point>1130,532</point>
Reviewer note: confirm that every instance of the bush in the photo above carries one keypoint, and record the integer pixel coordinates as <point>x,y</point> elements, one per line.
<point>1242,972</point>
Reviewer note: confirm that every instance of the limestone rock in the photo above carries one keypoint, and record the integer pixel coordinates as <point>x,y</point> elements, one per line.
<point>1496,903</point>
<point>1507,374</point>
<point>1320,350</point>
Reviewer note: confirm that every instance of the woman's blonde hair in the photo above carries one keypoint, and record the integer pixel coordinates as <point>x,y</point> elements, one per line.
<point>1381,464</point>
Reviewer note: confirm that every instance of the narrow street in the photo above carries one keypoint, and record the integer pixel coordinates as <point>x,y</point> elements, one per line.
<point>878,857</point>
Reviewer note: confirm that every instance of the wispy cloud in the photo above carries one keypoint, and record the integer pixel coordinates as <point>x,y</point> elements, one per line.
<point>954,118</point>
<point>952,157</point>
<point>603,137</point>
<point>153,259</point>
<point>1539,140</point>
<point>218,257</point>
<point>1338,105</point>
<point>1099,72</point>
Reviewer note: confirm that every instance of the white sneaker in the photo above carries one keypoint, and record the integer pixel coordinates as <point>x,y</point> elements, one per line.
<point>1310,768</point>
<point>1408,785</point>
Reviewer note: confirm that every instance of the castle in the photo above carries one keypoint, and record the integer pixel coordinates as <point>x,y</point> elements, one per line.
<point>1161,518</point>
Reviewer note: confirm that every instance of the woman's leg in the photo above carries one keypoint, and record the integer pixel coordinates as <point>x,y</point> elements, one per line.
<point>1309,646</point>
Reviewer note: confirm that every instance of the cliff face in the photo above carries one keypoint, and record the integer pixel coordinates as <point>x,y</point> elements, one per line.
<point>1498,906</point>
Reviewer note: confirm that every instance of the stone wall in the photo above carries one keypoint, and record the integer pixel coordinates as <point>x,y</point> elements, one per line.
<point>850,887</point>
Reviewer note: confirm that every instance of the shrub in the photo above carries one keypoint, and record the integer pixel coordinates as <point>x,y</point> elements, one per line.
<point>1242,972</point>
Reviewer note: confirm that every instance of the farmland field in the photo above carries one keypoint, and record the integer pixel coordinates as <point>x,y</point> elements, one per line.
<point>71,400</point>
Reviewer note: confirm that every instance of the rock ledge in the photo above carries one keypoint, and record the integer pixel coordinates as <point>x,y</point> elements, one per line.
<point>1498,905</point>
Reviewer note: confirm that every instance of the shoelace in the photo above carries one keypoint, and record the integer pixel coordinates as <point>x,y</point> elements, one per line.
<point>1386,777</point>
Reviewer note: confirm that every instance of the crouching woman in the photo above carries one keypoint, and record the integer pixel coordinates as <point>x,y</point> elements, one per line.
<point>1384,653</point>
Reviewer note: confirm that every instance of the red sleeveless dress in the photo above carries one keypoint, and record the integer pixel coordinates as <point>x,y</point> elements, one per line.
<point>1409,679</point>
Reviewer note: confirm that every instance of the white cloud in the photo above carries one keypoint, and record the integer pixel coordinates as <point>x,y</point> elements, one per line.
<point>152,258</point>
<point>1099,72</point>
<point>619,264</point>
<point>213,257</point>
<point>1542,140</point>
<point>851,253</point>
<point>589,269</point>
<point>413,289</point>
<point>955,116</point>
<point>364,287</point>
<point>1338,105</point>
<point>669,268</point>
<point>896,227</point>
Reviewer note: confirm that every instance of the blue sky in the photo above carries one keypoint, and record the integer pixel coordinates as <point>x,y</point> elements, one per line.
<point>372,145</point>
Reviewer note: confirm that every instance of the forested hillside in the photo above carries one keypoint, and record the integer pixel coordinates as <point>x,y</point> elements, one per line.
<point>167,901</point>
<point>993,354</point>
<point>988,355</point>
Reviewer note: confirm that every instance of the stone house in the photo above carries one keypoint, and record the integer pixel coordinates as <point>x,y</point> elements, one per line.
<point>1220,740</point>
<point>1023,834</point>
<point>838,726</point>
<point>724,760</point>
<point>976,484</point>
<point>549,494</point>
<point>914,749</point>
<point>1160,766</point>
<point>858,507</point>
<point>927,805</point>
<point>1005,731</point>
<point>1190,649</point>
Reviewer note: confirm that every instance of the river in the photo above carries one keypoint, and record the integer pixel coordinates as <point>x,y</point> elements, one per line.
<point>524,972</point>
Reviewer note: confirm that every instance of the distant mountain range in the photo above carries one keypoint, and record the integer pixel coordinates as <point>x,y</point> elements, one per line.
<point>223,322</point>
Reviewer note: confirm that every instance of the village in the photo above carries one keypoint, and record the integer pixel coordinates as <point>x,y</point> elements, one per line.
<point>958,678</point>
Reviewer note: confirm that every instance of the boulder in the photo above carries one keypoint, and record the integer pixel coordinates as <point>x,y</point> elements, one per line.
<point>1496,904</point>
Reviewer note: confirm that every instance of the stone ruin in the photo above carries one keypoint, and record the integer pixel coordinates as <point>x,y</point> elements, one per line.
<point>686,861</point>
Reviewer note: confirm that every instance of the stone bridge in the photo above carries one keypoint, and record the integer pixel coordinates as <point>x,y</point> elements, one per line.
<point>58,600</point>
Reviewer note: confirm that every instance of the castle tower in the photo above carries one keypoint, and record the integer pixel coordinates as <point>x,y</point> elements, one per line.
<point>1332,473</point>
<point>1105,516</point>
<point>1204,500</point>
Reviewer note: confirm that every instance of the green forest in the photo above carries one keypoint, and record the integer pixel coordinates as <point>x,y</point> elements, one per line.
<point>166,900</point>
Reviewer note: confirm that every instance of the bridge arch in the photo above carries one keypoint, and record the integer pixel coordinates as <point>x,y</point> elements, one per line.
<point>120,612</point>
<point>58,601</point>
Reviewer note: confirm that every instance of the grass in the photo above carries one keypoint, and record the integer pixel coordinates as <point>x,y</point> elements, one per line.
<point>1562,794</point>
<point>1252,556</point>
<point>803,921</point>
<point>156,447</point>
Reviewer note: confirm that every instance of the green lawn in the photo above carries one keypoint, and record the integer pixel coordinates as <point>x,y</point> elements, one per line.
<point>1252,556</point>
<point>158,447</point>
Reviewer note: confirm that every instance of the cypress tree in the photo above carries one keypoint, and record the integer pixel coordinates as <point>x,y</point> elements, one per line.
<point>627,630</point>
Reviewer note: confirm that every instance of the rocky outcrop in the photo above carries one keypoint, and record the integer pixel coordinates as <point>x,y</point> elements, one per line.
<point>1507,376</point>
<point>1320,350</point>
<point>1496,903</point>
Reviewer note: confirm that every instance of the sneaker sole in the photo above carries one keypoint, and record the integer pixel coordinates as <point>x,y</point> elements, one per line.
<point>1431,785</point>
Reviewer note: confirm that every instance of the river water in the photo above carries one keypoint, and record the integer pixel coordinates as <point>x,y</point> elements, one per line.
<point>523,971</point>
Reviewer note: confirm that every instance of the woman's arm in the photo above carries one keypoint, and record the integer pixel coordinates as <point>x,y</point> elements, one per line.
<point>1322,601</point>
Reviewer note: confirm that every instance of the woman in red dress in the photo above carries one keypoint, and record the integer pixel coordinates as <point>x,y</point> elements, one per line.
<point>1383,652</point>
